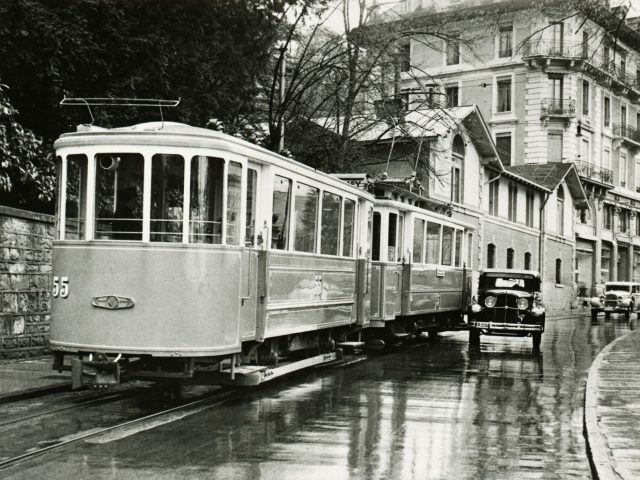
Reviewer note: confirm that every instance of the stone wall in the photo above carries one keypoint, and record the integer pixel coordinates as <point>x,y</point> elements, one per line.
<point>25,277</point>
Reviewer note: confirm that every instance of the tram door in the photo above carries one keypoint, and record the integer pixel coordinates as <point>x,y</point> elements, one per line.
<point>393,269</point>
<point>253,243</point>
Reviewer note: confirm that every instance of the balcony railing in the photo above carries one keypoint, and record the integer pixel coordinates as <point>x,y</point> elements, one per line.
<point>550,48</point>
<point>592,171</point>
<point>555,107</point>
<point>626,133</point>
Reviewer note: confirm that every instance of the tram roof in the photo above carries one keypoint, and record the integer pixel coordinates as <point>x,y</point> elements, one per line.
<point>182,135</point>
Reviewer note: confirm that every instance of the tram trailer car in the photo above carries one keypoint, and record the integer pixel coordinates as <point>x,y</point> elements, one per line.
<point>187,254</point>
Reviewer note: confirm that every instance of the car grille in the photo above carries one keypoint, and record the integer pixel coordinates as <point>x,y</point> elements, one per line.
<point>502,315</point>
<point>505,300</point>
<point>611,300</point>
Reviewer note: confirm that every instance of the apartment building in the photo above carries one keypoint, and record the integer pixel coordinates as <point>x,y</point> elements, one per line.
<point>556,84</point>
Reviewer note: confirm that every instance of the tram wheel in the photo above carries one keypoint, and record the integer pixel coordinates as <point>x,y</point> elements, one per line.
<point>432,332</point>
<point>474,336</point>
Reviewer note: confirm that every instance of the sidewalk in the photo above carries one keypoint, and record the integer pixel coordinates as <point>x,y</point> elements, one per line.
<point>21,378</point>
<point>612,409</point>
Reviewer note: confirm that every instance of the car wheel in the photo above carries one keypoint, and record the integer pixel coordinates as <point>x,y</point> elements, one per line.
<point>537,338</point>
<point>474,336</point>
<point>594,315</point>
<point>607,315</point>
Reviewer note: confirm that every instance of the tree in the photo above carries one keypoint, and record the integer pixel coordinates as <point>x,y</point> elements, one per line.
<point>26,175</point>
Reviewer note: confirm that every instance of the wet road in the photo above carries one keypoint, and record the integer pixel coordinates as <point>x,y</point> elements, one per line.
<point>436,411</point>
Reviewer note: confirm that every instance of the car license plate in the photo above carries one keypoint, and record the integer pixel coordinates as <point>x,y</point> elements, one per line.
<point>482,325</point>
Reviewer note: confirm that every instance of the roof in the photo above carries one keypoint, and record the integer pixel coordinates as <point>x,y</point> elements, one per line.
<point>550,175</point>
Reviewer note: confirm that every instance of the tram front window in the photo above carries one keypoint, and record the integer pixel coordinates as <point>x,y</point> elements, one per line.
<point>76,192</point>
<point>118,199</point>
<point>167,186</point>
<point>207,174</point>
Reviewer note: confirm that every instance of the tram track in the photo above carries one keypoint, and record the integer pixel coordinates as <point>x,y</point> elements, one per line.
<point>136,424</point>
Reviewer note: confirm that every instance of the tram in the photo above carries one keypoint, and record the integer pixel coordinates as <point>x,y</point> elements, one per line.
<point>186,254</point>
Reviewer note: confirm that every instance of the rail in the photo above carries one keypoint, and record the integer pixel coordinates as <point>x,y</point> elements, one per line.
<point>558,107</point>
<point>594,172</point>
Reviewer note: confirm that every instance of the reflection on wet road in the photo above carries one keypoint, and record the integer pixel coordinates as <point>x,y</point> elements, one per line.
<point>435,411</point>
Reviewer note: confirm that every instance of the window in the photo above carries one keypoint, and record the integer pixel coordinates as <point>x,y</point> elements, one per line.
<point>585,97</point>
<point>347,228</point>
<point>530,210</point>
<point>118,203</point>
<point>623,169</point>
<point>447,246</point>
<point>504,94</point>
<point>453,51</point>
<point>250,217</point>
<point>205,216</point>
<point>607,217</point>
<point>606,158</point>
<point>637,227</point>
<point>554,145</point>
<point>605,263</point>
<point>306,218</point>
<point>560,211</point>
<point>505,47</point>
<point>457,158</point>
<point>405,57</point>
<point>527,260</point>
<point>76,197</point>
<point>623,224</point>
<point>455,184</point>
<point>329,232</point>
<point>491,256</point>
<point>418,240</point>
<point>377,228</point>
<point>458,251</point>
<point>167,187</point>
<point>623,115</point>
<point>557,38</point>
<point>510,257</point>
<point>469,248</point>
<point>558,271</point>
<point>493,197</point>
<point>451,92</point>
<point>637,174</point>
<point>556,92</point>
<point>433,243</point>
<point>281,212</point>
<point>392,239</point>
<point>513,202</point>
<point>585,44</point>
<point>234,196</point>
<point>607,111</point>
<point>503,145</point>
<point>585,150</point>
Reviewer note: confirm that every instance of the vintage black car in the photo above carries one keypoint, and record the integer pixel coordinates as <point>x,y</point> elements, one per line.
<point>508,303</point>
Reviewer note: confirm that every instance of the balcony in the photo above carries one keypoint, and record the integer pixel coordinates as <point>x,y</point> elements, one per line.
<point>629,136</point>
<point>594,173</point>
<point>550,49</point>
<point>558,108</point>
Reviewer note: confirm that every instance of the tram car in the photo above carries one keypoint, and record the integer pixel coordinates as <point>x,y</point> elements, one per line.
<point>186,254</point>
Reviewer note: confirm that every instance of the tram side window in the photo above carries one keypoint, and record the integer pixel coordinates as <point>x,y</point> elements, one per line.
<point>330,224</point>
<point>281,210</point>
<point>234,198</point>
<point>58,195</point>
<point>375,245</point>
<point>459,248</point>
<point>118,199</point>
<point>347,230</point>
<point>306,218</point>
<point>447,246</point>
<point>418,240</point>
<point>76,197</point>
<point>167,198</point>
<point>250,219</point>
<point>393,227</point>
<point>433,243</point>
<point>205,220</point>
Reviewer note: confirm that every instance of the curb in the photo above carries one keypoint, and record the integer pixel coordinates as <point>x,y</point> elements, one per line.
<point>600,459</point>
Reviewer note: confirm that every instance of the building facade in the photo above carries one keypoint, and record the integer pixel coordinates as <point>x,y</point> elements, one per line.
<point>555,85</point>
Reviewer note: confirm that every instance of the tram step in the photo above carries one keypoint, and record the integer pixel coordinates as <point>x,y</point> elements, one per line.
<point>351,347</point>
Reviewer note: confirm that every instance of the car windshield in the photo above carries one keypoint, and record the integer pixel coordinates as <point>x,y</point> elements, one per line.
<point>526,284</point>
<point>617,287</point>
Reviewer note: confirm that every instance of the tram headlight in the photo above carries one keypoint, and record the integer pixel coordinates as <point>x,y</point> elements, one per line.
<point>523,303</point>
<point>109,162</point>
<point>490,302</point>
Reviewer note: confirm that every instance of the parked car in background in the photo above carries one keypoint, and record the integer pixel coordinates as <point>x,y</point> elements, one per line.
<point>618,297</point>
<point>509,303</point>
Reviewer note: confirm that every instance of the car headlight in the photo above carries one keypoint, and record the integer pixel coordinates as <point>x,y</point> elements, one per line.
<point>490,302</point>
<point>523,303</point>
<point>596,301</point>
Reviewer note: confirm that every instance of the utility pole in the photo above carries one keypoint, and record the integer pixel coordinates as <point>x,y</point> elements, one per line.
<point>283,72</point>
